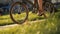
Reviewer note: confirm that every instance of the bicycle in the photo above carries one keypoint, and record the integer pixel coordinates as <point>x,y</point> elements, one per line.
<point>48,7</point>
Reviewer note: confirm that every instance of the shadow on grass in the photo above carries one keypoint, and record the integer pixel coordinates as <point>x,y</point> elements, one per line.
<point>6,24</point>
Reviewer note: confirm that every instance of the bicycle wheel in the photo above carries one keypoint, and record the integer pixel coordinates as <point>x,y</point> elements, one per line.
<point>18,12</point>
<point>49,9</point>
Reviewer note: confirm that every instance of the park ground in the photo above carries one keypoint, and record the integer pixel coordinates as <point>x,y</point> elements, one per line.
<point>35,25</point>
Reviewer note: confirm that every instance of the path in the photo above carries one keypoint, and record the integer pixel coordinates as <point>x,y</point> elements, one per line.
<point>13,25</point>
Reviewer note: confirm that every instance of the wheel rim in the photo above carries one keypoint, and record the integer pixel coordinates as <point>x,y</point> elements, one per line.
<point>19,17</point>
<point>49,12</point>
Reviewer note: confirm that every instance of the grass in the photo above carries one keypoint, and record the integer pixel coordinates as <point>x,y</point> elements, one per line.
<point>49,26</point>
<point>5,19</point>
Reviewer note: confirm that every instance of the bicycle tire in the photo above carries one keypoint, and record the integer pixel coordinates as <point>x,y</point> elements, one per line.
<point>11,16</point>
<point>50,7</point>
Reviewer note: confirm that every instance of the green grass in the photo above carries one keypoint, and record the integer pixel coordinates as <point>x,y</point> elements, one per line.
<point>5,19</point>
<point>49,26</point>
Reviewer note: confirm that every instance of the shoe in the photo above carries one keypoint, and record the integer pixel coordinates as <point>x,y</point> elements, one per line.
<point>40,13</point>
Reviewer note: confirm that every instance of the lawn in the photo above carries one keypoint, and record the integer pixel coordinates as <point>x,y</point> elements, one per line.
<point>5,19</point>
<point>48,26</point>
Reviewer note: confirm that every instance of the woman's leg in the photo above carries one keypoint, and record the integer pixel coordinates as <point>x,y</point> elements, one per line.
<point>40,3</point>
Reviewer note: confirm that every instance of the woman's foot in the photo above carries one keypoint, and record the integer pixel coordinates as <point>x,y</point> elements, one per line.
<point>40,13</point>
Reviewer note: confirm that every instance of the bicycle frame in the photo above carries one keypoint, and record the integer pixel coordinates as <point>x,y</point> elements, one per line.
<point>34,5</point>
<point>30,2</point>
